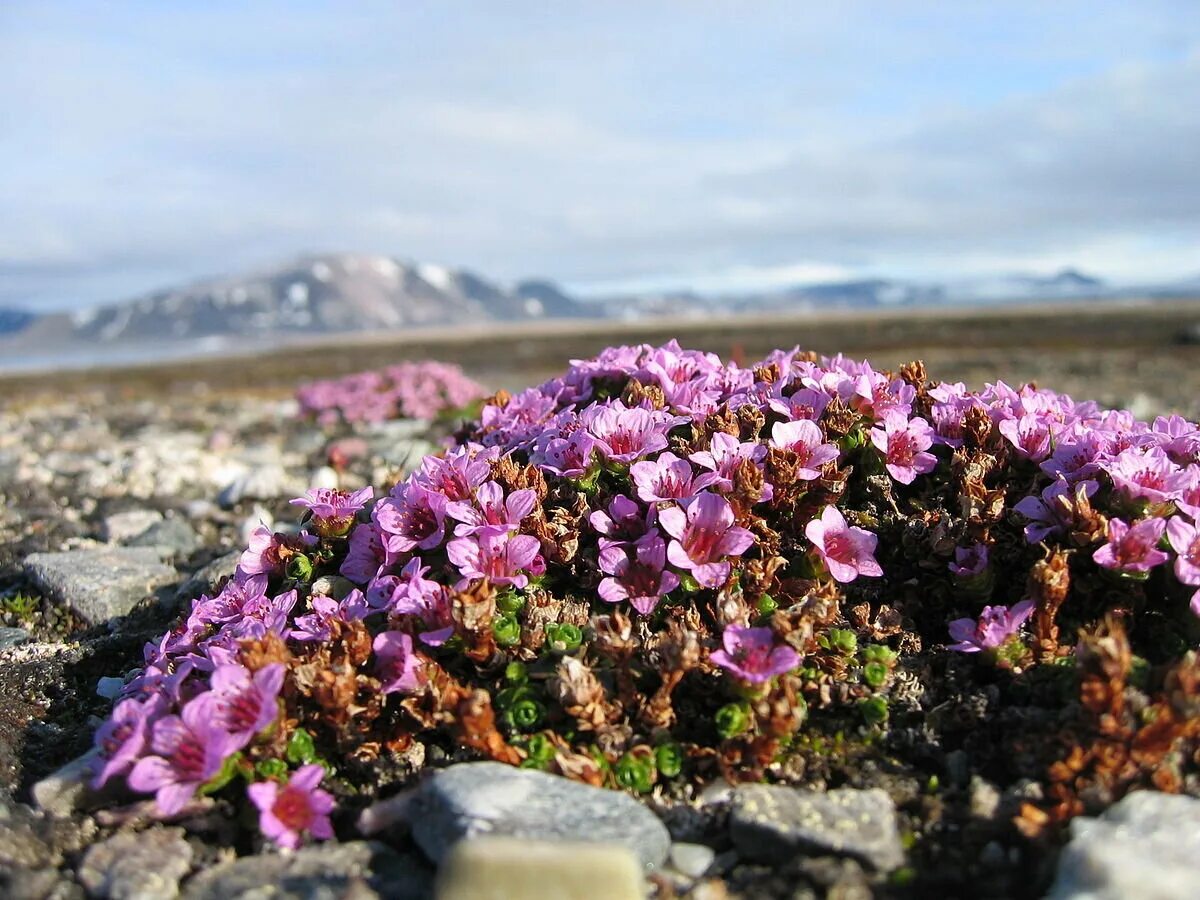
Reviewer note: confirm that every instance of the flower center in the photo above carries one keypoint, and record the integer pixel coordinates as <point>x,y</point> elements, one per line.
<point>292,810</point>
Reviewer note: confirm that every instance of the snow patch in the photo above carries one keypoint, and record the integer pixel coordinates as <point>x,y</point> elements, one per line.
<point>438,276</point>
<point>321,271</point>
<point>388,268</point>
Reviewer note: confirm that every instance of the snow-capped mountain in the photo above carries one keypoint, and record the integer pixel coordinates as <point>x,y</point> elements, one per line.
<point>313,294</point>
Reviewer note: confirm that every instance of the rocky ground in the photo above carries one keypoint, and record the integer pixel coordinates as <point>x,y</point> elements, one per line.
<point>116,510</point>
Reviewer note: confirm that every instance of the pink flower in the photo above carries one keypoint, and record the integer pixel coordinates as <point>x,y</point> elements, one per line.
<point>412,517</point>
<point>724,455</point>
<point>413,594</point>
<point>847,551</point>
<point>704,536</point>
<point>1146,472</point>
<point>1185,541</point>
<point>623,434</point>
<point>491,508</point>
<point>752,655</point>
<point>365,555</point>
<point>1029,436</point>
<point>1132,548</point>
<point>288,811</point>
<point>122,739</point>
<point>995,626</point>
<point>334,511</point>
<point>188,750</point>
<point>243,704</point>
<point>903,443</point>
<point>499,557</point>
<point>623,522</point>
<point>969,561</point>
<point>642,580</point>
<point>807,441</point>
<point>398,667</point>
<point>265,552</point>
<point>318,624</point>
<point>1055,509</point>
<point>456,475</point>
<point>667,478</point>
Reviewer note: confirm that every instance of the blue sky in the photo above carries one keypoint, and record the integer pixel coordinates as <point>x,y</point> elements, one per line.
<point>607,145</point>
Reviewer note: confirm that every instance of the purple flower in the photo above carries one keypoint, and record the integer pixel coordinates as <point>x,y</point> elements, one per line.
<point>806,403</point>
<point>365,555</point>
<point>456,475</point>
<point>752,655</point>
<point>969,561</point>
<point>807,441</point>
<point>1185,541</point>
<point>642,579</point>
<point>411,517</point>
<point>1132,548</point>
<point>287,811</point>
<point>903,443</point>
<point>334,511</point>
<point>623,434</point>
<point>122,738</point>
<point>667,478</point>
<point>704,536</point>
<point>398,666</point>
<point>266,552</point>
<point>239,592</point>
<point>491,508</point>
<point>848,551</point>
<point>723,457</point>
<point>1146,473</point>
<point>318,624</point>
<point>1055,509</point>
<point>497,556</point>
<point>623,522</point>
<point>1029,436</point>
<point>243,704</point>
<point>415,595</point>
<point>189,749</point>
<point>995,626</point>
<point>570,457</point>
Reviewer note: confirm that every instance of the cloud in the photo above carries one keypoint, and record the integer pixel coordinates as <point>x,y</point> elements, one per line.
<point>652,144</point>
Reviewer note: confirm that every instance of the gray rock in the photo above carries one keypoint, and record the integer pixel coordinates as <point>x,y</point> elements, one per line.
<point>266,481</point>
<point>143,866</point>
<point>13,637</point>
<point>205,580</point>
<point>772,822</point>
<point>691,860</point>
<point>1145,846</point>
<point>489,798</point>
<point>120,527</point>
<point>62,792</point>
<point>362,870</point>
<point>100,584</point>
<point>174,535</point>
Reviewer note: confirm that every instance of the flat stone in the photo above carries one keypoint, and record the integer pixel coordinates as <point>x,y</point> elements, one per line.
<point>488,798</point>
<point>359,870</point>
<point>13,637</point>
<point>1145,846</point>
<point>143,866</point>
<point>120,527</point>
<point>770,823</point>
<point>100,584</point>
<point>509,868</point>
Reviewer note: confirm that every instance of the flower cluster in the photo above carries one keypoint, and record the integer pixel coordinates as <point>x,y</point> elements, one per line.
<point>412,390</point>
<point>655,565</point>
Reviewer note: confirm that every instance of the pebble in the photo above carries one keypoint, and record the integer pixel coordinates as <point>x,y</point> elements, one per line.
<point>506,868</point>
<point>357,870</point>
<point>692,860</point>
<point>67,789</point>
<point>144,866</point>
<point>120,527</point>
<point>772,822</point>
<point>173,535</point>
<point>100,584</point>
<point>13,637</point>
<point>267,481</point>
<point>488,798</point>
<point>1145,846</point>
